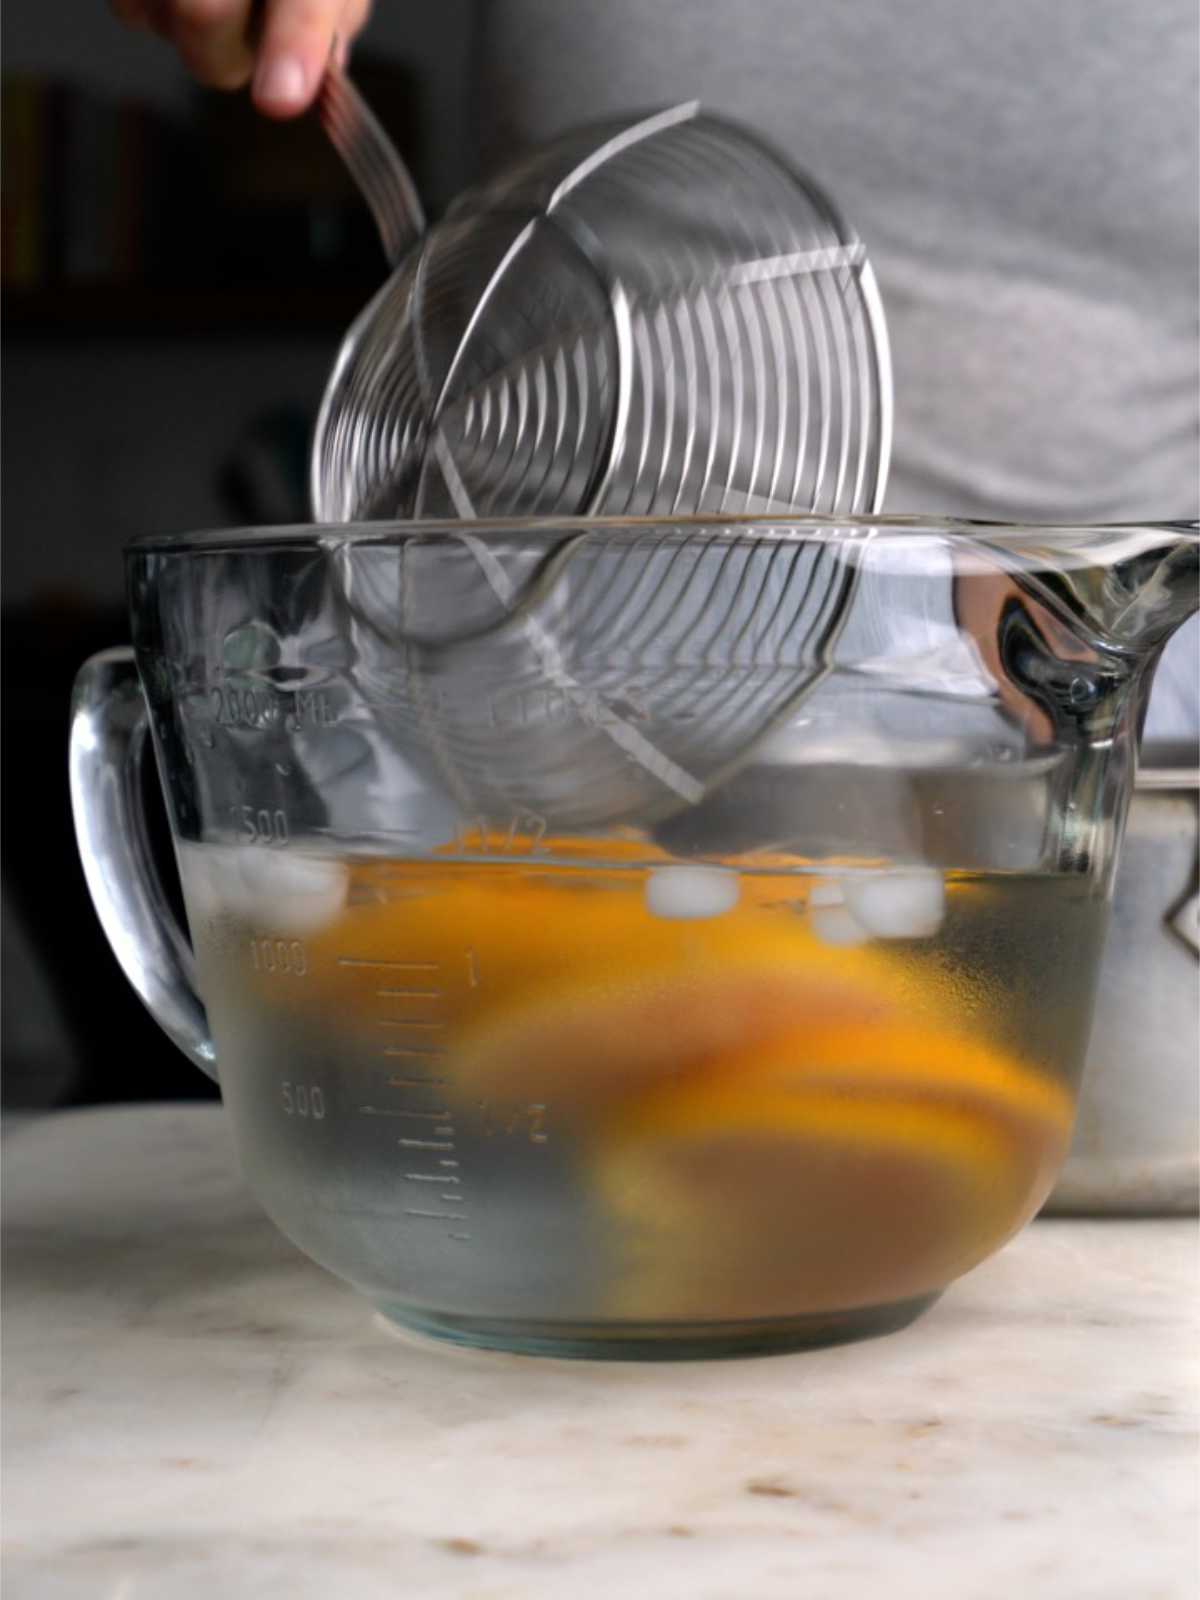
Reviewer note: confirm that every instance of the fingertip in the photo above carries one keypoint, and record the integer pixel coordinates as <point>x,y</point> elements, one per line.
<point>282,86</point>
<point>204,14</point>
<point>294,52</point>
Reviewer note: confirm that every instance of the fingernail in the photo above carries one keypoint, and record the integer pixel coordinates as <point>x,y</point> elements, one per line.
<point>281,82</point>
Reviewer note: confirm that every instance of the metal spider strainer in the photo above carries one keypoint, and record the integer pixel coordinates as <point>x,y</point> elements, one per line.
<point>639,320</point>
<point>647,320</point>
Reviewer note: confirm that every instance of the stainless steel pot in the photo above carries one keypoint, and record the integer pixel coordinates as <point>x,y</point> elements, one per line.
<point>1137,1139</point>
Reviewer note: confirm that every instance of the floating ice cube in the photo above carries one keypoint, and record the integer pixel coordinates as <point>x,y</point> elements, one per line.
<point>829,917</point>
<point>834,925</point>
<point>908,903</point>
<point>690,893</point>
<point>294,894</point>
<point>286,894</point>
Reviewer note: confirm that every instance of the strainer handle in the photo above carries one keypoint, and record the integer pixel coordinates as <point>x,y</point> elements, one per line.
<point>109,723</point>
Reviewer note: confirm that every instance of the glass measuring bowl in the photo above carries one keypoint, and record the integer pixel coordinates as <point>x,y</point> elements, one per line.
<point>757,1060</point>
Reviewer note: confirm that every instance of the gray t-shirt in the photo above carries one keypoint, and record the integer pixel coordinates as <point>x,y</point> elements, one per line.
<point>1025,177</point>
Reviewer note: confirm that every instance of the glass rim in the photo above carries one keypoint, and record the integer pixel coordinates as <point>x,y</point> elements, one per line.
<point>848,529</point>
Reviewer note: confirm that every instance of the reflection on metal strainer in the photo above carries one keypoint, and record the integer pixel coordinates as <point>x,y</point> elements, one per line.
<point>617,674</point>
<point>647,320</point>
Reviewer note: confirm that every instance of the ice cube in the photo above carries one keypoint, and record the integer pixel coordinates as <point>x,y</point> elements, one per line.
<point>829,917</point>
<point>285,894</point>
<point>907,903</point>
<point>293,894</point>
<point>691,893</point>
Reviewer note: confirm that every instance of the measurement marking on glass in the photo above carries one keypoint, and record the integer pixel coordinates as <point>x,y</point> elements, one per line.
<point>397,1111</point>
<point>393,966</point>
<point>431,1144</point>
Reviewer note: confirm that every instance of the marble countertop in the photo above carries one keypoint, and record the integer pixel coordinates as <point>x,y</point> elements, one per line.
<point>192,1409</point>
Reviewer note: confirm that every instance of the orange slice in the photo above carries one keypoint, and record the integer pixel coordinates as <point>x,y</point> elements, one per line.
<point>773,1126</point>
<point>915,1061</point>
<point>591,1042</point>
<point>852,1168</point>
<point>573,945</point>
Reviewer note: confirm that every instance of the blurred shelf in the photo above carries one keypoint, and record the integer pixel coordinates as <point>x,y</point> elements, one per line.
<point>103,310</point>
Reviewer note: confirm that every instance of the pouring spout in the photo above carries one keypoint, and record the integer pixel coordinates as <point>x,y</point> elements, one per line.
<point>1129,588</point>
<point>1116,596</point>
<point>1156,591</point>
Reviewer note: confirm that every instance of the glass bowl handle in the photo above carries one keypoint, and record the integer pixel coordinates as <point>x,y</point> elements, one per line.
<point>109,724</point>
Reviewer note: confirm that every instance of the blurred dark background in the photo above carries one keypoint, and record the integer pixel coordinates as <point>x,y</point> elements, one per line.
<point>177,275</point>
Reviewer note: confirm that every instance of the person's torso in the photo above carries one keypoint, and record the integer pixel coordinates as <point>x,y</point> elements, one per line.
<point>1025,179</point>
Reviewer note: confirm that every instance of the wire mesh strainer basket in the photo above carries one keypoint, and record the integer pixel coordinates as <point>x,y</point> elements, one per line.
<point>647,320</point>
<point>652,319</point>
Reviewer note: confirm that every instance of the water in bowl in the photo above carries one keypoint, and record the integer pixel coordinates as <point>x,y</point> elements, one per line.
<point>591,1092</point>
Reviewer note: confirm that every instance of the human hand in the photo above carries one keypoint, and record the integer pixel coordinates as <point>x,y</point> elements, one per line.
<point>1019,641</point>
<point>281,48</point>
